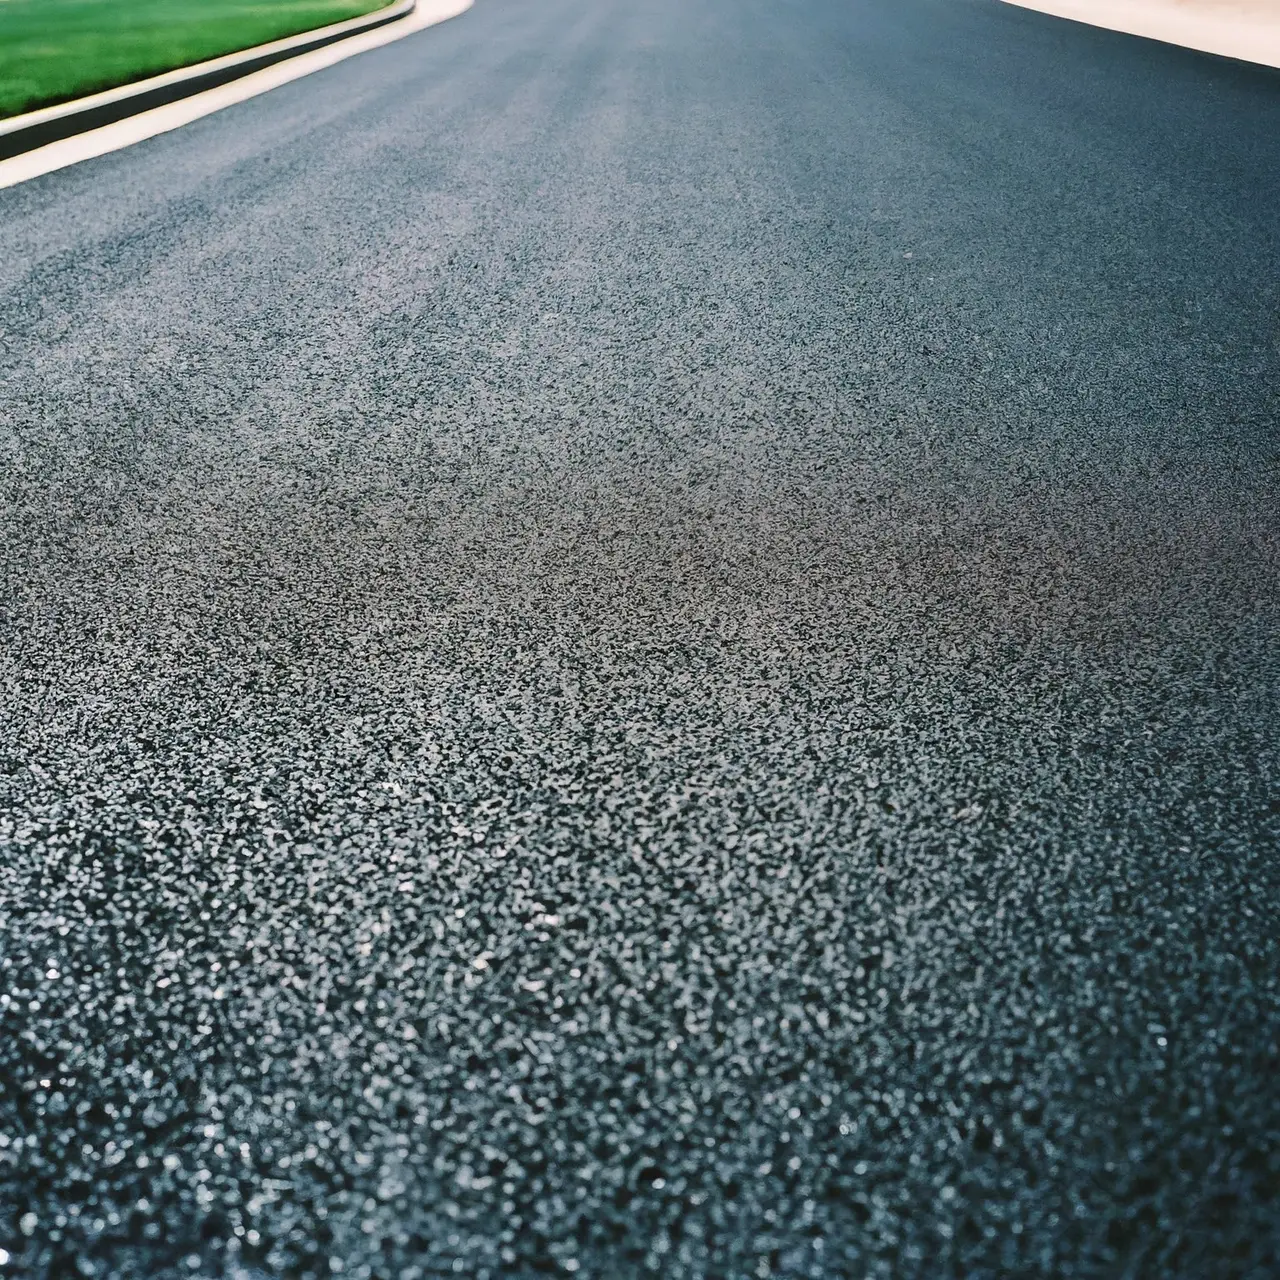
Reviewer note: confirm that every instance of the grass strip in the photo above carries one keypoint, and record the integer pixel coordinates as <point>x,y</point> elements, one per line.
<point>54,50</point>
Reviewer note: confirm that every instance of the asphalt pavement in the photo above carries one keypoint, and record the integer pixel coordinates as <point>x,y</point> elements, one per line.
<point>642,637</point>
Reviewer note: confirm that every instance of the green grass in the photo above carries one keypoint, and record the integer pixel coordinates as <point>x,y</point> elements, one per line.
<point>52,50</point>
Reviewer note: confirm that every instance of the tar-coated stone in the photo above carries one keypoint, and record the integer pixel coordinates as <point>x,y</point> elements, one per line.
<point>641,637</point>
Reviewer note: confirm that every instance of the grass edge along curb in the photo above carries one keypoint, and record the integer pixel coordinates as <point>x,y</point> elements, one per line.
<point>33,129</point>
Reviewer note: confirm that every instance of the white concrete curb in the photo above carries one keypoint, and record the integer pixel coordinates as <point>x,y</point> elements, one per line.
<point>236,80</point>
<point>48,124</point>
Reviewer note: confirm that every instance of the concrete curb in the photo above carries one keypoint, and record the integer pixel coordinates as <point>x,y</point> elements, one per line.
<point>34,129</point>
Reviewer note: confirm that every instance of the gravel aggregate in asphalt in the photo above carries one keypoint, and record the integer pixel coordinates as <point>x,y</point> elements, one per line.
<point>643,639</point>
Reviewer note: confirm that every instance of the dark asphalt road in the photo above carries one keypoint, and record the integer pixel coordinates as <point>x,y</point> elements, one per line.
<point>644,637</point>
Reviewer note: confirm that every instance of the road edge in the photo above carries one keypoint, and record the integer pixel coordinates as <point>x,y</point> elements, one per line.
<point>1256,42</point>
<point>173,115</point>
<point>32,129</point>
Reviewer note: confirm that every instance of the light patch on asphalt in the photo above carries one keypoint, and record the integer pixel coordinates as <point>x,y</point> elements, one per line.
<point>147,124</point>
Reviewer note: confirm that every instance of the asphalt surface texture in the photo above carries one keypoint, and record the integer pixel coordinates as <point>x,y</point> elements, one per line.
<point>643,637</point>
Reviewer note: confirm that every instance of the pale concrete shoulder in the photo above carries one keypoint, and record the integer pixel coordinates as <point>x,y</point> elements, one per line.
<point>1245,29</point>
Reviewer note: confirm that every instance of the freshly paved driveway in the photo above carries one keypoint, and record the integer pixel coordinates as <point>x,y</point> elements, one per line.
<point>643,636</point>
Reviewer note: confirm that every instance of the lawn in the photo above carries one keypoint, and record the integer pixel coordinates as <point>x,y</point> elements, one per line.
<point>52,50</point>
